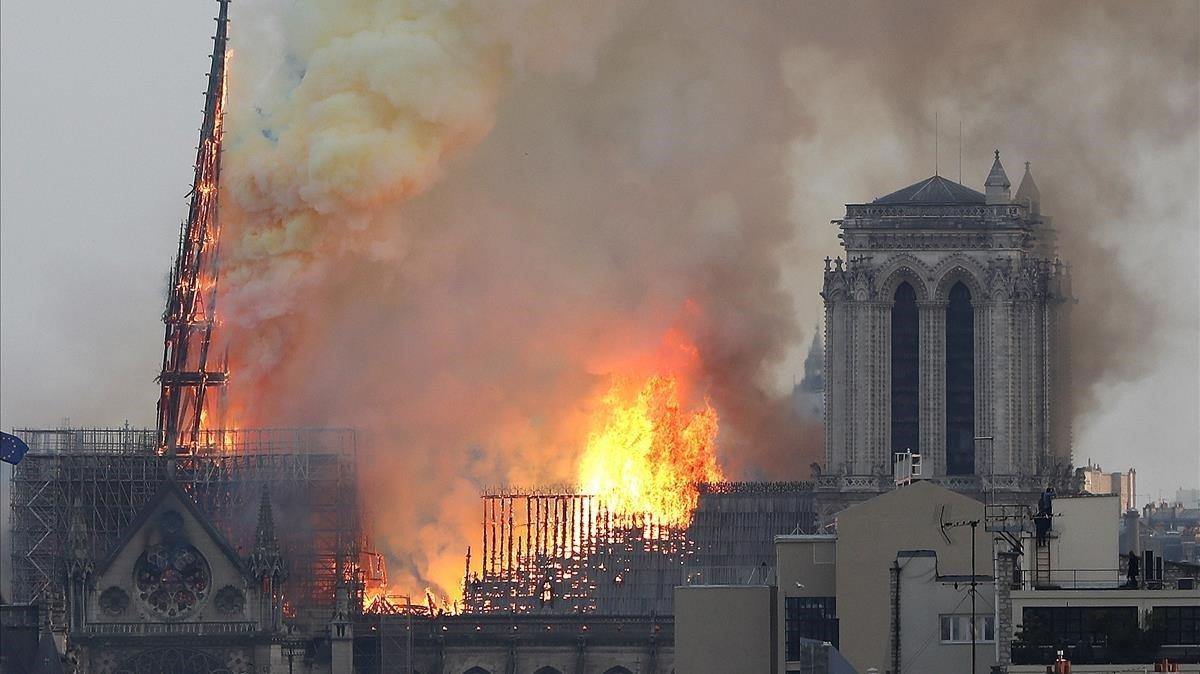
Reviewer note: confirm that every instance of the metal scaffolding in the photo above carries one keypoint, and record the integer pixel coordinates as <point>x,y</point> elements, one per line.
<point>105,476</point>
<point>564,552</point>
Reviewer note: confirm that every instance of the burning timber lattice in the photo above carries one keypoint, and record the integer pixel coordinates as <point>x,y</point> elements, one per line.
<point>559,551</point>
<point>105,476</point>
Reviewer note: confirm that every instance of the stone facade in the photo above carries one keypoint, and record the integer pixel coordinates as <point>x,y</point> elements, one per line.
<point>994,259</point>
<point>173,597</point>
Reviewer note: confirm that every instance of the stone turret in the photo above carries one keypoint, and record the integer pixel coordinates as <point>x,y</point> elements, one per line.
<point>808,395</point>
<point>80,567</point>
<point>266,565</point>
<point>1027,193</point>
<point>79,554</point>
<point>341,633</point>
<point>997,184</point>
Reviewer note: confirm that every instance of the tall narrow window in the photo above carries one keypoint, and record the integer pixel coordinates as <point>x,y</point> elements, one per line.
<point>960,382</point>
<point>905,371</point>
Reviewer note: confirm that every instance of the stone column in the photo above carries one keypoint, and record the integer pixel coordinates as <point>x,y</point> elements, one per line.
<point>878,385</point>
<point>836,401</point>
<point>852,395</point>
<point>987,460</point>
<point>1002,394</point>
<point>933,385</point>
<point>1025,398</point>
<point>862,446</point>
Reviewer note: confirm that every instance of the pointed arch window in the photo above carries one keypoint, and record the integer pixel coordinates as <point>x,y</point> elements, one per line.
<point>906,374</point>
<point>960,382</point>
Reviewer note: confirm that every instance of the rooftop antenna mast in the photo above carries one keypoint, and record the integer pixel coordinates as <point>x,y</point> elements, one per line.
<point>935,144</point>
<point>974,586</point>
<point>192,295</point>
<point>960,152</point>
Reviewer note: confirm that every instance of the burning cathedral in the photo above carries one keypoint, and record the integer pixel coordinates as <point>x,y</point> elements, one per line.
<point>945,338</point>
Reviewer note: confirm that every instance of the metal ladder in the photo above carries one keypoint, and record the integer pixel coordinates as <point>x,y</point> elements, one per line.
<point>1041,565</point>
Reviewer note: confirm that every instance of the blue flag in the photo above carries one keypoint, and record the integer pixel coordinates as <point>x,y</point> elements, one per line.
<point>12,448</point>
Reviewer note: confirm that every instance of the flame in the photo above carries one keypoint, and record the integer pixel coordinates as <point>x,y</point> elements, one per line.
<point>375,600</point>
<point>646,454</point>
<point>392,601</point>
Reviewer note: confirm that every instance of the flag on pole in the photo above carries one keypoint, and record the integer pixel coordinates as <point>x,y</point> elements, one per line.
<point>12,448</point>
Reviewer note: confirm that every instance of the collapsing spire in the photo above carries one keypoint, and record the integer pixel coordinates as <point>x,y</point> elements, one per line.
<point>997,184</point>
<point>192,294</point>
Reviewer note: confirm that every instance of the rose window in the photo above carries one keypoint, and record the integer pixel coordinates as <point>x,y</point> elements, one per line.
<point>172,578</point>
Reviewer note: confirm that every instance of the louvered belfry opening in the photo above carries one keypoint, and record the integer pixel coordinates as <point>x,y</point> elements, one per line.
<point>905,371</point>
<point>960,382</point>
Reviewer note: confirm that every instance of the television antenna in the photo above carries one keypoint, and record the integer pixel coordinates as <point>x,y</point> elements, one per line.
<point>974,587</point>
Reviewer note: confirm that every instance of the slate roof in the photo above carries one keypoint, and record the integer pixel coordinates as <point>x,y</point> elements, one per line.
<point>934,190</point>
<point>997,177</point>
<point>1028,191</point>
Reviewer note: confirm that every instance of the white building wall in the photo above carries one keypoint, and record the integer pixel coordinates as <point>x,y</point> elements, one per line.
<point>1084,540</point>
<point>924,599</point>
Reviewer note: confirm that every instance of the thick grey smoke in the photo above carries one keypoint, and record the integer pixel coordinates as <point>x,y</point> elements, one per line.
<point>677,172</point>
<point>1102,98</point>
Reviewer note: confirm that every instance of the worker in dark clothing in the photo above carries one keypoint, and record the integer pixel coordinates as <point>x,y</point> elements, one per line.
<point>1132,569</point>
<point>1046,502</point>
<point>1042,520</point>
<point>1041,525</point>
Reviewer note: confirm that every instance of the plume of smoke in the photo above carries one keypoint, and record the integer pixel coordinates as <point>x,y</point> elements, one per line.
<point>449,224</point>
<point>1103,99</point>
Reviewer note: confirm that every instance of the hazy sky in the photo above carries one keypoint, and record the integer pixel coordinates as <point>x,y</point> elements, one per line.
<point>99,110</point>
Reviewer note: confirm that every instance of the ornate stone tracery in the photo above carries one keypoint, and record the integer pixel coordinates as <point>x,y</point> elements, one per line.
<point>175,660</point>
<point>171,577</point>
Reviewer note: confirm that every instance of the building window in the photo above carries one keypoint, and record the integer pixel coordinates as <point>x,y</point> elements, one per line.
<point>1077,624</point>
<point>1176,625</point>
<point>960,382</point>
<point>808,618</point>
<point>906,381</point>
<point>956,628</point>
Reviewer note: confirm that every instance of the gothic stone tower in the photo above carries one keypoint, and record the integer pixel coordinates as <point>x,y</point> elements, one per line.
<point>944,327</point>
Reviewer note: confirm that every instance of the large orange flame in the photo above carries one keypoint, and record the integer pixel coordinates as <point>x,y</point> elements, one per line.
<point>646,453</point>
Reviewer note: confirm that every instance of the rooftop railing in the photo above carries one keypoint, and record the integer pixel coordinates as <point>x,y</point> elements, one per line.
<point>1094,579</point>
